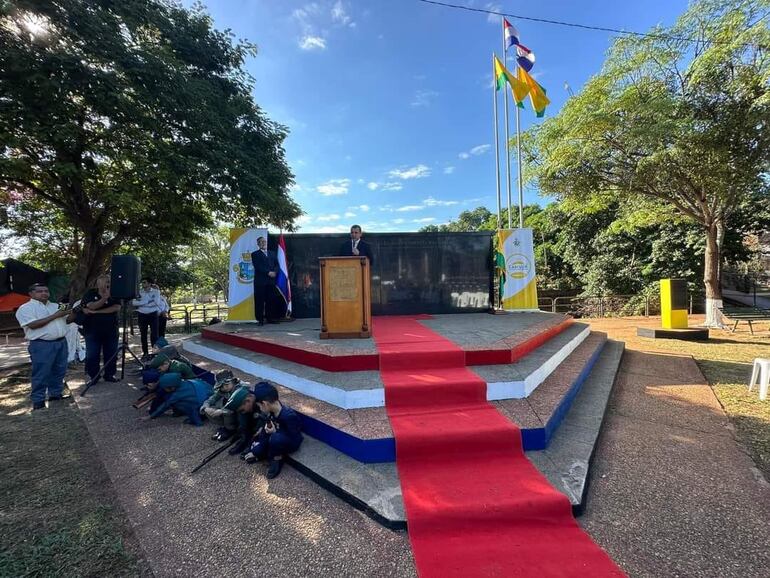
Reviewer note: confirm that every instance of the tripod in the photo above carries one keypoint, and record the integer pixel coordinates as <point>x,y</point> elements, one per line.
<point>122,349</point>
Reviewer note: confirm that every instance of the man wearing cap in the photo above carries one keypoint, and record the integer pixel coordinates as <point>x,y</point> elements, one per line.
<point>45,328</point>
<point>282,432</point>
<point>185,397</point>
<point>214,407</point>
<point>163,364</point>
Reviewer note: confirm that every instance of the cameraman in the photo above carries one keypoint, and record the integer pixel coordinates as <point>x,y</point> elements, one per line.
<point>100,328</point>
<point>45,328</point>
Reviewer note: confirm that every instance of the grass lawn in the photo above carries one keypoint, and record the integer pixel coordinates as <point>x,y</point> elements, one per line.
<point>725,361</point>
<point>58,513</point>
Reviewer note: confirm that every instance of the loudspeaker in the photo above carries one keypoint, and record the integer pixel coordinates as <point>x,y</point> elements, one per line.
<point>125,273</point>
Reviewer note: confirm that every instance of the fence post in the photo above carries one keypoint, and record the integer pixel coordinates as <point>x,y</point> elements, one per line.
<point>690,304</point>
<point>187,322</point>
<point>646,305</point>
<point>204,315</point>
<point>601,307</point>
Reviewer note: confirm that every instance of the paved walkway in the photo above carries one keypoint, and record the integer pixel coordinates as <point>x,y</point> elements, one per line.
<point>13,352</point>
<point>672,493</point>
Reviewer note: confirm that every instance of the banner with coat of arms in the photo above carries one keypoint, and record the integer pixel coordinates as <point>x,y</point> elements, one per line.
<point>515,263</point>
<point>241,295</point>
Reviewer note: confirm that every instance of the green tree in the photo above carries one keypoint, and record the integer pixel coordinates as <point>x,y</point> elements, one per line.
<point>210,262</point>
<point>679,116</point>
<point>131,124</point>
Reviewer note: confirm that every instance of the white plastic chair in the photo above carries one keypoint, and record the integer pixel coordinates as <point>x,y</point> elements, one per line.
<point>761,369</point>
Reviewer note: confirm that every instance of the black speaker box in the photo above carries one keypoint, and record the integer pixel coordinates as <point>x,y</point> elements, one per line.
<point>125,273</point>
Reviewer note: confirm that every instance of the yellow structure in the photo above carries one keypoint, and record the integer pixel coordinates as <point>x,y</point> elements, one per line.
<point>673,303</point>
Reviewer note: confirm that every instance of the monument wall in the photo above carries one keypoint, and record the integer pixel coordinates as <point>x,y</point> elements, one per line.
<point>412,272</point>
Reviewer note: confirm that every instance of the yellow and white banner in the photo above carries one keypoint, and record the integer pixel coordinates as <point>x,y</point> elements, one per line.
<point>519,289</point>
<point>241,296</point>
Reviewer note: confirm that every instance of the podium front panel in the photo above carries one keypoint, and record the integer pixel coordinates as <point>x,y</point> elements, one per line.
<point>345,298</point>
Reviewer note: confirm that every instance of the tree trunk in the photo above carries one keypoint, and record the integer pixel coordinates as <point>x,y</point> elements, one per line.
<point>711,277</point>
<point>92,262</point>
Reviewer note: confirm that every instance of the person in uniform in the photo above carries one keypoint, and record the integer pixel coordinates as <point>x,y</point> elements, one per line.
<point>45,327</point>
<point>281,434</point>
<point>164,364</point>
<point>356,247</point>
<point>265,273</point>
<point>184,397</point>
<point>100,327</point>
<point>214,407</point>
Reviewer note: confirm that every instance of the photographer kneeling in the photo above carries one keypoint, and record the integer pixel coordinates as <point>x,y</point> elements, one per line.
<point>282,432</point>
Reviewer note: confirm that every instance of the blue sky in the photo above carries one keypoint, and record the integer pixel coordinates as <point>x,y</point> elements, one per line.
<point>389,102</point>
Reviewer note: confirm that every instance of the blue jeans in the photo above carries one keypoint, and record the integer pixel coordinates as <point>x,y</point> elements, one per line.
<point>49,365</point>
<point>103,344</point>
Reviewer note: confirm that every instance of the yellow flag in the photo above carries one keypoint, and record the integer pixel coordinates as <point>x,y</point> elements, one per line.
<point>536,92</point>
<point>518,88</point>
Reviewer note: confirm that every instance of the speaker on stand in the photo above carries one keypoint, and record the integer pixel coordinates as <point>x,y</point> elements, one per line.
<point>125,273</point>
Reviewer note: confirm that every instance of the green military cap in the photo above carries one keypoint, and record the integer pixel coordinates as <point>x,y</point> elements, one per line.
<point>236,399</point>
<point>158,360</point>
<point>181,368</point>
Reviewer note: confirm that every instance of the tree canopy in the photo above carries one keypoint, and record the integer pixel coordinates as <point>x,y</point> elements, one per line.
<point>131,124</point>
<point>679,117</point>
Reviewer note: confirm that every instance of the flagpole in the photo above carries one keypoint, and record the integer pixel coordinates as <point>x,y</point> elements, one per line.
<point>507,137</point>
<point>497,137</point>
<point>518,154</point>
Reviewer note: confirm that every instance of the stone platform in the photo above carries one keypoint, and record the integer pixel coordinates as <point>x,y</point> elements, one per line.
<point>688,334</point>
<point>548,374</point>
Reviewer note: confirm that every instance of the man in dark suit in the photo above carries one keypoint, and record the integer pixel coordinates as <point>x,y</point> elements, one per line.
<point>356,247</point>
<point>265,273</point>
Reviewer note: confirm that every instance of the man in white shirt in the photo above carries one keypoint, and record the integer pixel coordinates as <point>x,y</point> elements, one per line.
<point>147,308</point>
<point>45,328</point>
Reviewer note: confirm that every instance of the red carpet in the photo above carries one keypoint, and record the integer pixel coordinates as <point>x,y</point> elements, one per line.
<point>475,505</point>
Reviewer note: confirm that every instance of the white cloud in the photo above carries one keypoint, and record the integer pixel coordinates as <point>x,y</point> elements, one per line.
<point>431,202</point>
<point>361,181</point>
<point>327,218</point>
<point>425,220</point>
<point>398,221</point>
<point>406,208</point>
<point>475,151</point>
<point>493,18</point>
<point>340,15</point>
<point>418,172</point>
<point>303,220</point>
<point>334,187</point>
<point>331,229</point>
<point>480,150</point>
<point>312,43</point>
<point>392,186</point>
<point>373,186</point>
<point>423,98</point>
<point>449,170</point>
<point>362,208</point>
<point>350,214</point>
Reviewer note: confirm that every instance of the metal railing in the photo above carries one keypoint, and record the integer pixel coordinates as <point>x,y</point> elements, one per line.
<point>605,305</point>
<point>189,317</point>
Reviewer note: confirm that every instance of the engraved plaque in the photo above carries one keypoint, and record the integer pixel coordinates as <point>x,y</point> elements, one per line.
<point>342,283</point>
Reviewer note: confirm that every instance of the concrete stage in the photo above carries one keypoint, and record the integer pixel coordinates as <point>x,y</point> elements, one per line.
<point>545,372</point>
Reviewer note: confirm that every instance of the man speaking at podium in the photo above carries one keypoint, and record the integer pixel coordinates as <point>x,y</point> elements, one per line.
<point>265,273</point>
<point>356,247</point>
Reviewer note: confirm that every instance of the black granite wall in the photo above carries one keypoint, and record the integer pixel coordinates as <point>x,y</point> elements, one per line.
<point>412,273</point>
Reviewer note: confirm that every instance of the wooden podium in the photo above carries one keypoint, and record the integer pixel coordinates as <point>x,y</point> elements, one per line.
<point>346,298</point>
